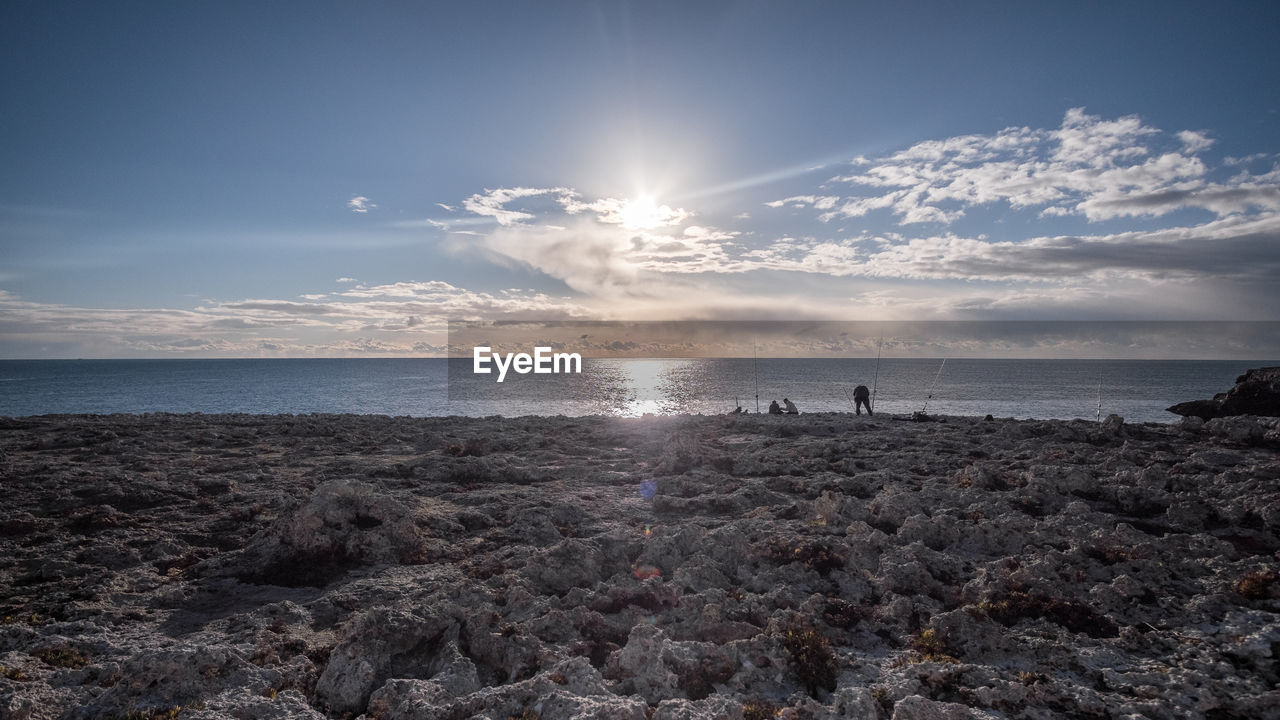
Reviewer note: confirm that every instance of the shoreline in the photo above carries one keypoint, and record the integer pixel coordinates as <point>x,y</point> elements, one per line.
<point>825,565</point>
<point>1062,389</point>
<point>835,414</point>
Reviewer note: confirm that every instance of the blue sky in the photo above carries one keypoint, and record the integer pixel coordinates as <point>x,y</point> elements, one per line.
<point>245,179</point>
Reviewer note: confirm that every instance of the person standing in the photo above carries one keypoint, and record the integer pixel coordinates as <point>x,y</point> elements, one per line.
<point>862,396</point>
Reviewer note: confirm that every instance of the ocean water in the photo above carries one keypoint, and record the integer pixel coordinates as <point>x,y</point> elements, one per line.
<point>1138,390</point>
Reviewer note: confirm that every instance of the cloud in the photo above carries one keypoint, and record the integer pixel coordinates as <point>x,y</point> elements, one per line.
<point>589,258</point>
<point>934,338</point>
<point>1246,160</point>
<point>493,203</point>
<point>818,202</point>
<point>1227,258</point>
<point>346,280</point>
<point>1218,199</point>
<point>638,213</point>
<point>406,305</point>
<point>283,307</point>
<point>604,248</point>
<point>360,204</point>
<point>1096,167</point>
<point>1234,248</point>
<point>386,319</point>
<point>1194,142</point>
<point>1088,168</point>
<point>861,206</point>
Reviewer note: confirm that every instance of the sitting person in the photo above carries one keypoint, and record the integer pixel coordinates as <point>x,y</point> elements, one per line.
<point>791,407</point>
<point>736,411</point>
<point>774,409</point>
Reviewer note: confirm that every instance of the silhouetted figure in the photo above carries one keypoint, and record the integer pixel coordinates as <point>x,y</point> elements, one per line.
<point>736,411</point>
<point>861,396</point>
<point>774,409</point>
<point>791,407</point>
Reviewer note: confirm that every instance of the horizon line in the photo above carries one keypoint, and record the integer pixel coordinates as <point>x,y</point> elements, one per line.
<point>671,357</point>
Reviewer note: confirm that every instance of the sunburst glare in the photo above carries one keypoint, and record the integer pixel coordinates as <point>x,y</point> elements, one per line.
<point>644,213</point>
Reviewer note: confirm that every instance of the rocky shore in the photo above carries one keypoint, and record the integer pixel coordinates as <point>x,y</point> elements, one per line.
<point>1257,392</point>
<point>747,567</point>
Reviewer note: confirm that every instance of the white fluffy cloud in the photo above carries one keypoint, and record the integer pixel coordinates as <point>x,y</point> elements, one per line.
<point>1194,142</point>
<point>632,214</point>
<point>360,204</point>
<point>1091,166</point>
<point>493,203</point>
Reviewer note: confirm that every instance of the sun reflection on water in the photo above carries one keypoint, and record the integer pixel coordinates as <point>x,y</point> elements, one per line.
<point>655,387</point>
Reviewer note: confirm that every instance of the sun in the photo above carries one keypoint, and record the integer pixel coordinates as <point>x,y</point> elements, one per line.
<point>644,213</point>
<point>640,213</point>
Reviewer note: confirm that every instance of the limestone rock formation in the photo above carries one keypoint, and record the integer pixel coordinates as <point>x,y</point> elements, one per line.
<point>824,566</point>
<point>1257,392</point>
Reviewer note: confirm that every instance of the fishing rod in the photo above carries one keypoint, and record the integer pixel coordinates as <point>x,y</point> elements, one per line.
<point>1099,415</point>
<point>850,399</point>
<point>934,385</point>
<point>755,371</point>
<point>871,407</point>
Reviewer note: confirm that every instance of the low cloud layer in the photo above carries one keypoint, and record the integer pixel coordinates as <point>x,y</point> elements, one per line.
<point>390,320</point>
<point>839,339</point>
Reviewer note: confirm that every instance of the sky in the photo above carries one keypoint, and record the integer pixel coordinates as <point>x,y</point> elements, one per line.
<point>302,179</point>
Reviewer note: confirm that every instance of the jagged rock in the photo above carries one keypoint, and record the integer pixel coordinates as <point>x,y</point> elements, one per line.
<point>1191,423</point>
<point>1257,392</point>
<point>1242,428</point>
<point>344,524</point>
<point>916,707</point>
<point>180,676</point>
<point>250,705</point>
<point>569,564</point>
<point>386,643</point>
<point>571,689</point>
<point>640,664</point>
<point>1202,409</point>
<point>711,707</point>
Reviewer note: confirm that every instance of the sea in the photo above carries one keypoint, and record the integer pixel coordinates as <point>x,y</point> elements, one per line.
<point>1137,390</point>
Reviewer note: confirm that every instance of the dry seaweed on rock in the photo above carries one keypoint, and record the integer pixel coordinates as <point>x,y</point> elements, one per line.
<point>760,710</point>
<point>1257,585</point>
<point>811,660</point>
<point>1075,616</point>
<point>61,656</point>
<point>930,646</point>
<point>816,554</point>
